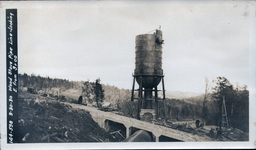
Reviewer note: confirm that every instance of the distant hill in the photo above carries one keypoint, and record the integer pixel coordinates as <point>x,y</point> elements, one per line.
<point>199,98</point>
<point>179,94</point>
<point>189,97</point>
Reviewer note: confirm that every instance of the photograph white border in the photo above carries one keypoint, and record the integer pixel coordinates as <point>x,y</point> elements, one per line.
<point>172,145</point>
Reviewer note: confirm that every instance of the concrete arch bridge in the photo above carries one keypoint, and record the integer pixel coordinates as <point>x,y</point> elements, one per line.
<point>159,133</point>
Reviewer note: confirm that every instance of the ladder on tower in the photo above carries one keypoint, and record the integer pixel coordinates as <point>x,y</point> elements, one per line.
<point>224,116</point>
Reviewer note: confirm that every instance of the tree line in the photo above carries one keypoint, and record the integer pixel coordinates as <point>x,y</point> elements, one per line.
<point>236,100</point>
<point>91,91</point>
<point>41,83</point>
<point>207,108</point>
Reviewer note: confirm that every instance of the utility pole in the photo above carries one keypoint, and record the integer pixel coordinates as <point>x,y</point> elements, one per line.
<point>204,102</point>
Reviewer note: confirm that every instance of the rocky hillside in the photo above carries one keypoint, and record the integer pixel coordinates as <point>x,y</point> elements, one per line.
<point>42,119</point>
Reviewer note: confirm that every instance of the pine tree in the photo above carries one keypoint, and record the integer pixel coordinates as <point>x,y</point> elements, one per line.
<point>224,89</point>
<point>87,91</point>
<point>99,92</point>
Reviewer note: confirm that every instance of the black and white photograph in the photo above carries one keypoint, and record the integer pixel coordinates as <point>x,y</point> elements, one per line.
<point>128,74</point>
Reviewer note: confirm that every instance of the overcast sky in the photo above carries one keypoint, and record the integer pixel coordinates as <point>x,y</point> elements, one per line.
<point>87,40</point>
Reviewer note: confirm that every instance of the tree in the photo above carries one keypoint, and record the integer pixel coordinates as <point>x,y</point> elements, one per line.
<point>25,78</point>
<point>87,91</point>
<point>99,92</point>
<point>224,89</point>
<point>240,114</point>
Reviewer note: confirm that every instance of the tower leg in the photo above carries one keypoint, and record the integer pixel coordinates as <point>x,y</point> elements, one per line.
<point>156,102</point>
<point>140,98</point>
<point>163,88</point>
<point>165,114</point>
<point>132,98</point>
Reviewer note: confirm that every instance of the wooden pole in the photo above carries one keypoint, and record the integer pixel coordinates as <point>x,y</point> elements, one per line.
<point>165,114</point>
<point>156,102</point>
<point>133,85</point>
<point>140,98</point>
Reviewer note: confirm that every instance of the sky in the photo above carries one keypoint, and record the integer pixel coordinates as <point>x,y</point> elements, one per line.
<point>96,39</point>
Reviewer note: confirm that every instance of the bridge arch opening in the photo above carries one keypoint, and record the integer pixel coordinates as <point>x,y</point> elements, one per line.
<point>133,130</point>
<point>163,138</point>
<point>117,130</point>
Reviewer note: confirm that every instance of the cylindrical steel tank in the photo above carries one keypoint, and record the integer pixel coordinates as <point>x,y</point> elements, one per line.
<point>148,58</point>
<point>148,64</point>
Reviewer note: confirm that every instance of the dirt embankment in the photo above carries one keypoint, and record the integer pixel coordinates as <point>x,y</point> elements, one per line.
<point>43,119</point>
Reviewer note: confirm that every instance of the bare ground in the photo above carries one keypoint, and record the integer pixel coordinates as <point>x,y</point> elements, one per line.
<point>43,119</point>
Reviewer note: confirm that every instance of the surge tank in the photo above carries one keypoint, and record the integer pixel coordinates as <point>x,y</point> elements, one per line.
<point>148,63</point>
<point>149,58</point>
